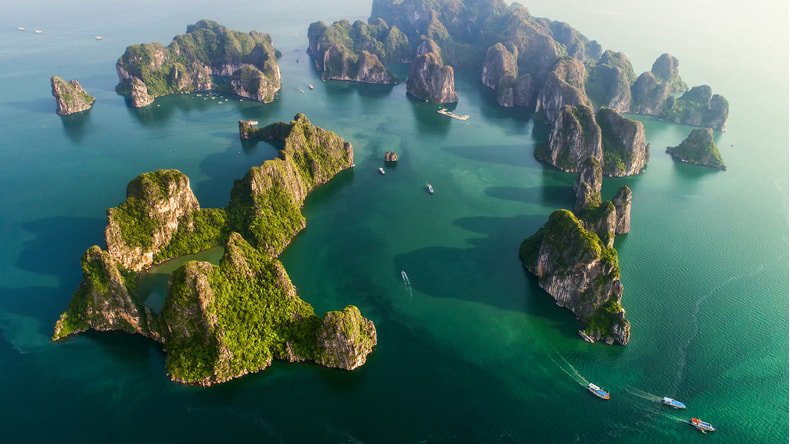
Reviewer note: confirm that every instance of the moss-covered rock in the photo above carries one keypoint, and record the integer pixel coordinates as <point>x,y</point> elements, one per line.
<point>357,52</point>
<point>70,96</point>
<point>573,137</point>
<point>698,148</point>
<point>189,62</point>
<point>156,205</point>
<point>625,148</point>
<point>698,107</point>
<point>580,272</point>
<point>105,301</point>
<point>265,204</point>
<point>345,339</point>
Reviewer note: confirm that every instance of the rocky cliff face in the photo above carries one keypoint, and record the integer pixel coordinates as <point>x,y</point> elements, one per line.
<point>357,52</point>
<point>104,301</point>
<point>573,136</point>
<point>698,107</point>
<point>625,151</point>
<point>345,339</point>
<point>699,149</point>
<point>648,94</point>
<point>311,156</point>
<point>156,204</point>
<point>609,218</point>
<point>581,273</point>
<point>609,81</point>
<point>588,185</point>
<point>622,204</point>
<point>188,63</point>
<point>430,80</point>
<point>500,73</point>
<point>70,96</point>
<point>665,69</point>
<point>563,86</point>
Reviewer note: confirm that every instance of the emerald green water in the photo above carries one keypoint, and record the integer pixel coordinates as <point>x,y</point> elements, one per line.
<point>476,352</point>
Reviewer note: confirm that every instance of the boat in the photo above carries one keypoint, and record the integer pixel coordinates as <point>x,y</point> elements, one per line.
<point>597,391</point>
<point>701,425</point>
<point>300,90</point>
<point>20,29</point>
<point>38,31</point>
<point>673,403</point>
<point>381,170</point>
<point>311,86</point>
<point>429,187</point>
<point>448,113</point>
<point>98,37</point>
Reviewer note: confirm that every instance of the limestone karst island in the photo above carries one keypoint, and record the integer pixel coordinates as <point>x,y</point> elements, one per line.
<point>394,221</point>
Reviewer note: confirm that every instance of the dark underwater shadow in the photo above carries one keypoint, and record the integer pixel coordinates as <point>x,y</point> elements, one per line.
<point>223,168</point>
<point>514,155</point>
<point>40,105</point>
<point>427,120</point>
<point>545,196</point>
<point>74,125</point>
<point>58,244</point>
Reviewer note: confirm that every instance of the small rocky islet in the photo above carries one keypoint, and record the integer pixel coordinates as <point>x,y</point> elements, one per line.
<point>70,96</point>
<point>223,321</point>
<point>698,148</point>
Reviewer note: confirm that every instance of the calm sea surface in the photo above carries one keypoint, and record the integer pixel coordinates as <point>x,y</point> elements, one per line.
<point>476,352</point>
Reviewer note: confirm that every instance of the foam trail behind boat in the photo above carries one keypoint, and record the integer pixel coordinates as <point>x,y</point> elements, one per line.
<point>643,394</point>
<point>570,370</point>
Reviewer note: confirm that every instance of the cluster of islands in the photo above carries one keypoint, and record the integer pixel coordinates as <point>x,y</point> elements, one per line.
<point>223,321</point>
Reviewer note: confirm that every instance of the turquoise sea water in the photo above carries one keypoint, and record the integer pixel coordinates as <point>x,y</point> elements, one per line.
<point>476,352</point>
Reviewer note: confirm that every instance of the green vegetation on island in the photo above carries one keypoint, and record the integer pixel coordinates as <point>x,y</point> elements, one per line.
<point>699,149</point>
<point>221,322</point>
<point>70,96</point>
<point>358,52</point>
<point>193,60</point>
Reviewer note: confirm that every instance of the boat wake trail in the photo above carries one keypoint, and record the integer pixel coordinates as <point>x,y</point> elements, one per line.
<point>656,411</point>
<point>569,370</point>
<point>406,282</point>
<point>643,394</point>
<point>696,311</point>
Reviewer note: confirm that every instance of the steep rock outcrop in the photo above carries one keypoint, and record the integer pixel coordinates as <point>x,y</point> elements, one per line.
<point>156,204</point>
<point>275,191</point>
<point>430,80</point>
<point>609,81</point>
<point>500,73</point>
<point>70,96</point>
<point>622,204</point>
<point>581,273</point>
<point>345,339</point>
<point>698,107</point>
<point>390,156</point>
<point>573,136</point>
<point>699,149</point>
<point>665,69</point>
<point>104,301</point>
<point>625,150</point>
<point>357,52</point>
<point>648,94</point>
<point>563,86</point>
<point>588,185</point>
<point>187,64</point>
